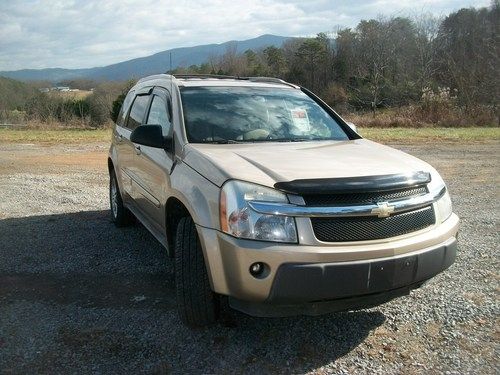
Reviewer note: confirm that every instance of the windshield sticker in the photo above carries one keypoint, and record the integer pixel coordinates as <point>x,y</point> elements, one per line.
<point>300,120</point>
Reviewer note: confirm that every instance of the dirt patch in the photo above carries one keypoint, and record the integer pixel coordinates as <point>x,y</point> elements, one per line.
<point>78,295</point>
<point>16,158</point>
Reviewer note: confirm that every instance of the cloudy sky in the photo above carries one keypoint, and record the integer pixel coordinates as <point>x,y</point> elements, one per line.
<point>88,33</point>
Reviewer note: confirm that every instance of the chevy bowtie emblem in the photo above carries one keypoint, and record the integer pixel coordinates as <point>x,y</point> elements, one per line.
<point>383,209</point>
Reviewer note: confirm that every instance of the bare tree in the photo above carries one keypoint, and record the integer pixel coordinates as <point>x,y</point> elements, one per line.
<point>427,31</point>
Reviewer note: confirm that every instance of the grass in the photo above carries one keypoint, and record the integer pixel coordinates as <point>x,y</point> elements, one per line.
<point>449,135</point>
<point>81,94</point>
<point>384,135</point>
<point>54,136</point>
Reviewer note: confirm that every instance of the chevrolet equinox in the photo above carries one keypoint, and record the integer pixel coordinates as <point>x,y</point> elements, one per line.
<point>265,197</point>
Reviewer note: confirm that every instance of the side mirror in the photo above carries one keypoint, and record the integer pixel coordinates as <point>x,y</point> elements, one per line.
<point>152,136</point>
<point>352,126</point>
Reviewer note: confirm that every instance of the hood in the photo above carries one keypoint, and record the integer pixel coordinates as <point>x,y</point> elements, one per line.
<point>268,163</point>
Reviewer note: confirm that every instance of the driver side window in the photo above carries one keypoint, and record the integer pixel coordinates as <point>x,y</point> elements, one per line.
<point>159,114</point>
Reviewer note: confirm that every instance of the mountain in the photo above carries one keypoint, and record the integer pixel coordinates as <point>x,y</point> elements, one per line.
<point>143,66</point>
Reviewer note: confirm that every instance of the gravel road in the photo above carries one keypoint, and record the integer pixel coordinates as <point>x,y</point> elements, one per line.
<point>78,295</point>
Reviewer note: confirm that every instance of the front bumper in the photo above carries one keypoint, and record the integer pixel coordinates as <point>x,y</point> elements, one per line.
<point>323,281</point>
<point>313,289</point>
<point>303,273</point>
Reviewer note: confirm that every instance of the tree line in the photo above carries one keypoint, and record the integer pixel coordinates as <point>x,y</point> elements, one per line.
<point>437,65</point>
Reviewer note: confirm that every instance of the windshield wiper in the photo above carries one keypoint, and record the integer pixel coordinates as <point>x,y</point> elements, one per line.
<point>223,141</point>
<point>303,139</point>
<point>297,139</point>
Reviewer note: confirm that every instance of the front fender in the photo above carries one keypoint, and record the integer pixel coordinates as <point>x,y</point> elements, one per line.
<point>199,195</point>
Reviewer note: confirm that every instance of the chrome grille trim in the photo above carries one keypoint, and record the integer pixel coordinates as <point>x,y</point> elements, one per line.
<point>373,209</point>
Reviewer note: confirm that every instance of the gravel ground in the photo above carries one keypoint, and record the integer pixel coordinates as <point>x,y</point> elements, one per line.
<point>78,295</point>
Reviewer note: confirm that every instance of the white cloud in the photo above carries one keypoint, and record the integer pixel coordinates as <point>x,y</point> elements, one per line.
<point>87,33</point>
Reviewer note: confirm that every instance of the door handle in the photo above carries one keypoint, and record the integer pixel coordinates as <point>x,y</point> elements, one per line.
<point>138,150</point>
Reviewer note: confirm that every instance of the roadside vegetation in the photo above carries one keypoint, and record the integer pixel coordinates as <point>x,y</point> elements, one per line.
<point>385,73</point>
<point>90,107</point>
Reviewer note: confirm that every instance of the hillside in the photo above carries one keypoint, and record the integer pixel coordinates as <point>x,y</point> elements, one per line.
<point>157,63</point>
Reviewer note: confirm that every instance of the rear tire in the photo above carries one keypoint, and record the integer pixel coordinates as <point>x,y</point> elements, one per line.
<point>197,304</point>
<point>120,215</point>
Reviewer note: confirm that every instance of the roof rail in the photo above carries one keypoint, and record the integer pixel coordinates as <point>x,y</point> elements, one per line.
<point>201,76</point>
<point>155,76</point>
<point>271,80</point>
<point>251,79</point>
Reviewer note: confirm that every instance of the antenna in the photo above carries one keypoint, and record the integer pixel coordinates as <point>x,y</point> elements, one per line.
<point>171,89</point>
<point>171,75</point>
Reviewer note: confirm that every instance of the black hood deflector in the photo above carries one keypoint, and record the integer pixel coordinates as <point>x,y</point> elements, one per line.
<point>354,184</point>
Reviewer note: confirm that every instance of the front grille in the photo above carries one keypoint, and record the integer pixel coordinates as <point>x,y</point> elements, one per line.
<point>362,198</point>
<point>372,228</point>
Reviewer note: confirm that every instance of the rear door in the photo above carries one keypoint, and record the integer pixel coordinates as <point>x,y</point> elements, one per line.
<point>153,165</point>
<point>135,118</point>
<point>120,132</point>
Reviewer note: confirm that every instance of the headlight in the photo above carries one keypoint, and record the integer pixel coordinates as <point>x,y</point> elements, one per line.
<point>443,204</point>
<point>239,220</point>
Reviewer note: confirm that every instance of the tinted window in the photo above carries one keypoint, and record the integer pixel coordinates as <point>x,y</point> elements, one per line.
<point>218,114</point>
<point>137,111</point>
<point>124,109</point>
<point>158,114</point>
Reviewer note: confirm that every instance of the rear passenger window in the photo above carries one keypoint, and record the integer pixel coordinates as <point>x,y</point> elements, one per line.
<point>124,109</point>
<point>158,114</point>
<point>137,111</point>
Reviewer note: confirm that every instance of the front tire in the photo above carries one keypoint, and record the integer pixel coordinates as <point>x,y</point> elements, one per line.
<point>120,215</point>
<point>197,304</point>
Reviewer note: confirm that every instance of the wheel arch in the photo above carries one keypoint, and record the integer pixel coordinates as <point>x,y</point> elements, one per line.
<point>111,166</point>
<point>175,209</point>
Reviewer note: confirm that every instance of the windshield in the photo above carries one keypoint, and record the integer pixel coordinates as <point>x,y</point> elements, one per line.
<point>249,114</point>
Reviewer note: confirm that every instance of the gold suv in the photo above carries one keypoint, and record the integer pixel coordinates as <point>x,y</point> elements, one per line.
<point>265,196</point>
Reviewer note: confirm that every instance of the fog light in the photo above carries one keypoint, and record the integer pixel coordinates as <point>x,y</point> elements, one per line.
<point>256,269</point>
